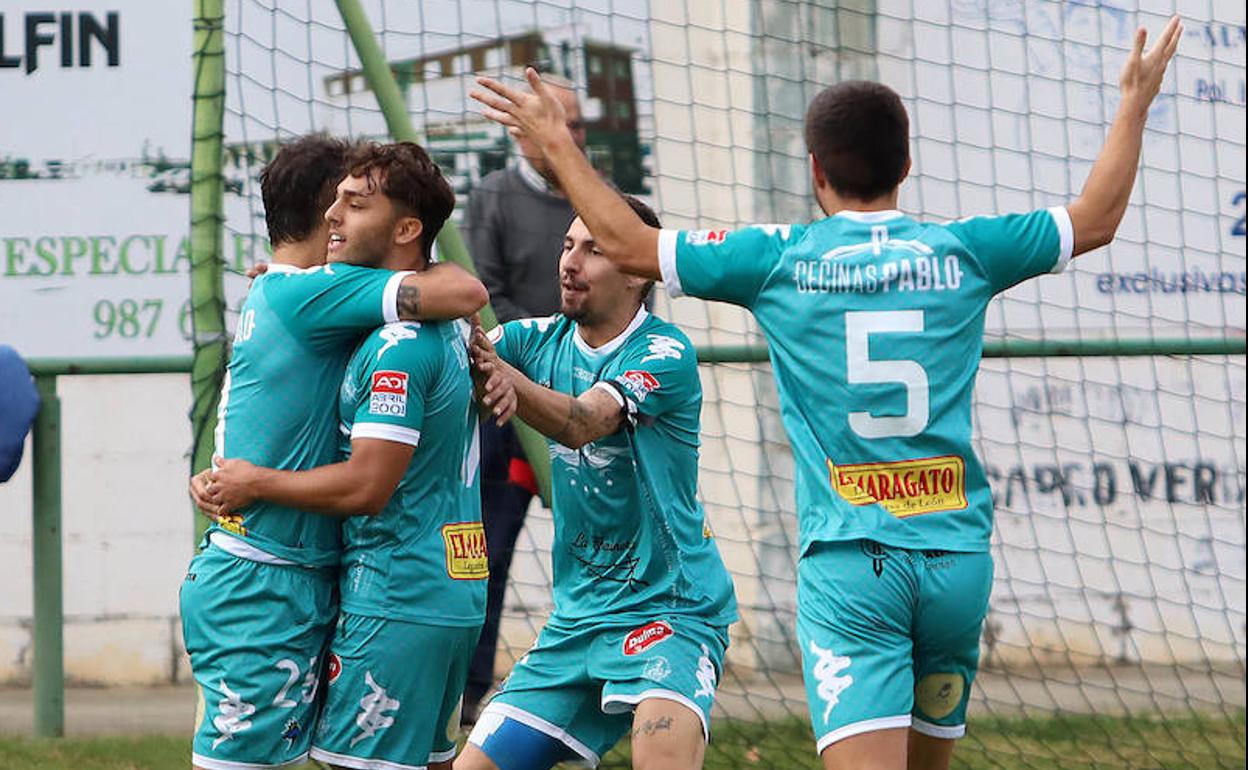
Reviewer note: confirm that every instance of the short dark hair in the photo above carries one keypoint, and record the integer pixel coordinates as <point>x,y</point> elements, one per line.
<point>859,134</point>
<point>299,184</point>
<point>411,180</point>
<point>650,218</point>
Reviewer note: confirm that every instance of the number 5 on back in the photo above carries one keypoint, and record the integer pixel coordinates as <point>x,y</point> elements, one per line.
<point>860,369</point>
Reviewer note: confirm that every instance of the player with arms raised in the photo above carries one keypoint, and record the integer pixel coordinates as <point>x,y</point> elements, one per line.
<point>875,323</point>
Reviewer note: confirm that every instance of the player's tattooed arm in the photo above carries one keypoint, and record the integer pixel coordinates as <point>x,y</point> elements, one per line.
<point>572,421</point>
<point>441,292</point>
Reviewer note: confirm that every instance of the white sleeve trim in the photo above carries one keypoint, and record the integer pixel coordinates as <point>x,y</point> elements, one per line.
<point>1066,236</point>
<point>390,298</point>
<point>386,432</point>
<point>612,390</point>
<point>667,262</point>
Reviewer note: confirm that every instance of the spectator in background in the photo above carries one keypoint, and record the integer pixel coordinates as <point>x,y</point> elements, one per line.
<point>514,227</point>
<point>19,403</point>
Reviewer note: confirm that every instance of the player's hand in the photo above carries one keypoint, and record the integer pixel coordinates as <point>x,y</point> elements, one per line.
<point>257,270</point>
<point>1142,73</point>
<point>498,390</point>
<point>202,495</point>
<point>230,485</point>
<point>538,115</point>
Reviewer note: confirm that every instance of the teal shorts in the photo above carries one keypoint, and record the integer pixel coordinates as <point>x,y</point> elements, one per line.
<point>394,691</point>
<point>256,634</point>
<point>889,637</point>
<point>580,685</point>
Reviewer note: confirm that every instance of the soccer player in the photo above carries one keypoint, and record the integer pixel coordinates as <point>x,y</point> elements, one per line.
<point>642,600</point>
<point>875,324</point>
<point>258,602</point>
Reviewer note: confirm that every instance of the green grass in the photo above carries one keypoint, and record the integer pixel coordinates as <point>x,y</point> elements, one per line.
<point>1065,743</point>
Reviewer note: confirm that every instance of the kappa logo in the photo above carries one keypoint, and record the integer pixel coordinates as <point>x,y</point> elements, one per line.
<point>705,675</point>
<point>703,237</point>
<point>663,347</point>
<point>641,639</point>
<point>640,383</point>
<point>393,334</point>
<point>389,393</point>
<point>372,717</point>
<point>335,667</point>
<point>232,713</point>
<point>827,672</point>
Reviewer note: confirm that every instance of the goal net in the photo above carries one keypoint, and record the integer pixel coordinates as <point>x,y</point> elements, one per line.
<point>1116,632</point>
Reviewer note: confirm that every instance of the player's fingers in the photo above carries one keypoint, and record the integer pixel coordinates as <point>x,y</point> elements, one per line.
<point>1175,37</point>
<point>500,117</point>
<point>1137,50</point>
<point>492,100</point>
<point>507,93</point>
<point>535,81</point>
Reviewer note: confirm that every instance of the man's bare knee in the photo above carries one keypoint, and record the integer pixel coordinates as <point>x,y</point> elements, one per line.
<point>666,736</point>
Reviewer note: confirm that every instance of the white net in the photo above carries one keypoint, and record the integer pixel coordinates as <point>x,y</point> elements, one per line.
<point>1116,634</point>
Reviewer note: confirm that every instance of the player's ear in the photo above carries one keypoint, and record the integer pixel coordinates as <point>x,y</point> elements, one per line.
<point>905,171</point>
<point>407,230</point>
<point>816,173</point>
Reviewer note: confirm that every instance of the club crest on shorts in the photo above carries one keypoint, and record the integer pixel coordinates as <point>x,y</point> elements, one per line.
<point>641,639</point>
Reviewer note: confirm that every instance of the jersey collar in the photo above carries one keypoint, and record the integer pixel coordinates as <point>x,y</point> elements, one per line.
<point>534,179</point>
<point>869,217</point>
<point>612,345</point>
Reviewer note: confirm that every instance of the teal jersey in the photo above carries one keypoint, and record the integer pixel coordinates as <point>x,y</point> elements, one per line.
<point>631,539</point>
<point>295,332</point>
<point>875,324</point>
<point>423,557</point>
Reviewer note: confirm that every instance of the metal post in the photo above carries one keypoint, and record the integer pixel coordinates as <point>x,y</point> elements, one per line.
<point>49,611</point>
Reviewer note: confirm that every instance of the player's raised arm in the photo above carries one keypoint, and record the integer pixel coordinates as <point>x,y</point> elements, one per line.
<point>625,240</point>
<point>439,293</point>
<point>1098,210</point>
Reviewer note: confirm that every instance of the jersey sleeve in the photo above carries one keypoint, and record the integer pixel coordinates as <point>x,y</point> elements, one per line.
<point>516,340</point>
<point>393,400</point>
<point>327,305</point>
<point>656,376</point>
<point>1015,247</point>
<point>726,265</point>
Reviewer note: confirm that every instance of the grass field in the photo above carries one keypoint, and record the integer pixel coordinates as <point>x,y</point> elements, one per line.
<point>1070,743</point>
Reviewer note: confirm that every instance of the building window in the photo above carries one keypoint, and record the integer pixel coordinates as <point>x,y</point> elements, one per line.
<point>433,69</point>
<point>495,58</point>
<point>335,87</point>
<point>461,64</point>
<point>623,110</point>
<point>621,68</point>
<point>595,64</point>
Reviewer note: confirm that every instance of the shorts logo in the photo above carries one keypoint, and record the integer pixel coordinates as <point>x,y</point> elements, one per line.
<point>702,237</point>
<point>705,675</point>
<point>232,715</point>
<point>372,717</point>
<point>904,488</point>
<point>640,383</point>
<point>826,671</point>
<point>641,639</point>
<point>938,695</point>
<point>335,667</point>
<point>466,555</point>
<point>389,393</point>
<point>657,669</point>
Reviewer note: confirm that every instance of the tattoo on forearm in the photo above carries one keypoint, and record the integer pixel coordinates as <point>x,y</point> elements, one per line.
<point>576,417</point>
<point>409,302</point>
<point>652,726</point>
